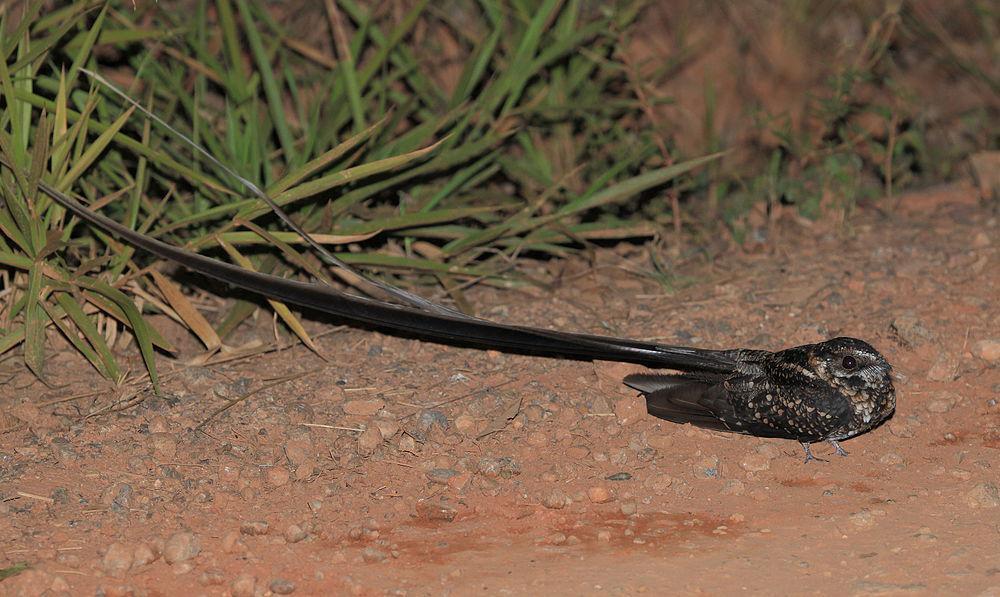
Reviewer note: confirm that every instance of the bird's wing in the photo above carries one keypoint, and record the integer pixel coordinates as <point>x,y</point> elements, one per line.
<point>437,326</point>
<point>701,400</point>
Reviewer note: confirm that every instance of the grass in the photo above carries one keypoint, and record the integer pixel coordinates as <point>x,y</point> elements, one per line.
<point>357,140</point>
<point>432,146</point>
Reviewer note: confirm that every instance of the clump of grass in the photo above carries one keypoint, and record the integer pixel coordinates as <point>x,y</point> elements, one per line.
<point>528,147</point>
<point>903,105</point>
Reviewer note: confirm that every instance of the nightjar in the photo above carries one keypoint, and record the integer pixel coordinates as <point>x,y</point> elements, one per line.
<point>828,391</point>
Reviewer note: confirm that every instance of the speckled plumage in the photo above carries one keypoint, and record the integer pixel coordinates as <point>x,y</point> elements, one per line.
<point>828,391</point>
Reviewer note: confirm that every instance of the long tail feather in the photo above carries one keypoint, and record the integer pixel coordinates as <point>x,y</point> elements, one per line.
<point>438,326</point>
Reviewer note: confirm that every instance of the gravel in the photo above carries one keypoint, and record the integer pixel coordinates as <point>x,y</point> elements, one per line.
<point>244,585</point>
<point>277,476</point>
<point>372,555</point>
<point>365,407</point>
<point>436,511</point>
<point>143,554</point>
<point>988,349</point>
<point>294,533</point>
<point>180,547</point>
<point>117,560</point>
<point>369,439</point>
<point>599,494</point>
<point>555,500</point>
<point>441,476</point>
<point>281,586</point>
<point>983,495</point>
<point>254,527</point>
<point>213,577</point>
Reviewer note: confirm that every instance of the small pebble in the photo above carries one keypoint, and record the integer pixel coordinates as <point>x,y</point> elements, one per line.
<point>755,462</point>
<point>707,467</point>
<point>434,511</point>
<point>988,349</point>
<point>245,585</point>
<point>604,536</point>
<point>734,487</point>
<point>659,483</point>
<point>911,329</point>
<point>388,427</point>
<point>629,508</point>
<point>180,547</point>
<point>460,481</point>
<point>534,413</point>
<point>163,446</point>
<point>294,533</point>
<point>297,451</point>
<point>599,494</point>
<point>277,476</point>
<point>556,538</point>
<point>373,555</point>
<point>364,407</point>
<point>630,410</point>
<point>983,495</point>
<point>281,586</point>
<point>431,418</point>
<point>503,467</point>
<point>555,500</point>
<point>407,444</point>
<point>891,459</point>
<point>865,518</point>
<point>117,560</point>
<point>465,424</point>
<point>181,568</point>
<point>254,527</point>
<point>942,402</point>
<point>944,368</point>
<point>212,577</point>
<point>233,543</point>
<point>143,554</point>
<point>440,475</point>
<point>600,406</point>
<point>537,439</point>
<point>369,439</point>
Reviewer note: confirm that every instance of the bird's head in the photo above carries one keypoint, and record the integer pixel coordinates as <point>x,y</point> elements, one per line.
<point>852,365</point>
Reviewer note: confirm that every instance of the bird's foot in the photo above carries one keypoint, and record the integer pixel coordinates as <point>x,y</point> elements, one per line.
<point>838,450</point>
<point>809,454</point>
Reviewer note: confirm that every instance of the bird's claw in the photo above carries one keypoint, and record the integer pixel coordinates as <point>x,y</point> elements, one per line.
<point>809,454</point>
<point>837,449</point>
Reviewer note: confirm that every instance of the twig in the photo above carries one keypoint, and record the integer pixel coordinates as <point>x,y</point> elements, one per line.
<point>33,496</point>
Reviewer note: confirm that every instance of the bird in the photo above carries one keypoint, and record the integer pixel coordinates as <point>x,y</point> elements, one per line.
<point>828,391</point>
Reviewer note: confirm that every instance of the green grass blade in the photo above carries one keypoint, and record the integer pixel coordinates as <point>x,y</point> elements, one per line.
<point>11,339</point>
<point>89,331</point>
<point>93,150</point>
<point>296,176</point>
<point>635,185</point>
<point>34,323</point>
<point>274,100</point>
<point>83,51</point>
<point>82,347</point>
<point>140,329</point>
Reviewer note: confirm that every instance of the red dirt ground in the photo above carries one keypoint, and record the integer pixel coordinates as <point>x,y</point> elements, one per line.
<point>504,473</point>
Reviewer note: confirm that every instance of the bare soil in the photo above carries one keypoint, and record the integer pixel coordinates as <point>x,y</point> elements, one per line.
<point>399,466</point>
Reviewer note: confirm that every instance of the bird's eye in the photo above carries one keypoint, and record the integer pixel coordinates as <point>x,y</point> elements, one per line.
<point>849,363</point>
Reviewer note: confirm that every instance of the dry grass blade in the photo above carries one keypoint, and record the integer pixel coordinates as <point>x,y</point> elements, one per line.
<point>191,316</point>
<point>280,308</point>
